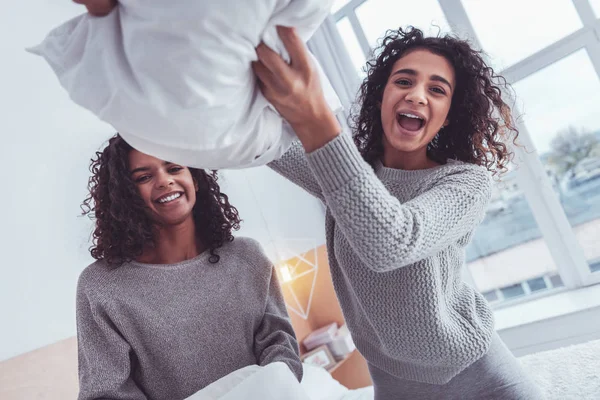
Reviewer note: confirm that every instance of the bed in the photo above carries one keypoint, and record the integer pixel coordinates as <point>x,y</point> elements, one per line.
<point>320,385</point>
<point>567,373</point>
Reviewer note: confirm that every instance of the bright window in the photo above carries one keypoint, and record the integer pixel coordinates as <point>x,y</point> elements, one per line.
<point>512,30</point>
<point>352,45</point>
<point>338,4</point>
<point>507,237</point>
<point>377,16</point>
<point>596,7</point>
<point>561,109</point>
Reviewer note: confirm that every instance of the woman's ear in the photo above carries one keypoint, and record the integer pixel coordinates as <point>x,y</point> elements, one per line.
<point>196,187</point>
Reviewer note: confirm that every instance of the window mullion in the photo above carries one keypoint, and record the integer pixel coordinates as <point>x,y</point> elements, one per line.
<point>532,179</point>
<point>457,18</point>
<point>557,232</point>
<point>585,11</point>
<point>360,34</point>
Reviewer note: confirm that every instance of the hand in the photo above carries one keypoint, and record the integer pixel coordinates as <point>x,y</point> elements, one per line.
<point>295,91</point>
<point>98,8</point>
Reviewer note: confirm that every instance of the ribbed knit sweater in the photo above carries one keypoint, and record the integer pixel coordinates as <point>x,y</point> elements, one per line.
<point>396,245</point>
<point>163,332</point>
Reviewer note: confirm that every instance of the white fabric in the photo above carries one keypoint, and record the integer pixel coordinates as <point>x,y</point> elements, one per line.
<point>272,382</point>
<point>571,372</point>
<point>320,385</point>
<point>367,393</point>
<point>175,79</point>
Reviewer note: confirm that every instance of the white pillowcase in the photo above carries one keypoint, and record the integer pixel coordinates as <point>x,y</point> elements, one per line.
<point>320,385</point>
<point>174,77</point>
<point>271,382</point>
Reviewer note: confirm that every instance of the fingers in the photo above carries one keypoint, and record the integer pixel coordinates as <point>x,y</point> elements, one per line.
<point>295,46</point>
<point>272,60</point>
<point>266,79</point>
<point>98,8</point>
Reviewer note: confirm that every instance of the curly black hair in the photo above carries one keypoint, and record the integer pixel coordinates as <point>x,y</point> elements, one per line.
<point>480,120</point>
<point>123,227</point>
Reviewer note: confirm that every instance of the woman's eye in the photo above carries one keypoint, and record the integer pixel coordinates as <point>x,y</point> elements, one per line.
<point>403,82</point>
<point>175,169</point>
<point>438,90</point>
<point>142,178</point>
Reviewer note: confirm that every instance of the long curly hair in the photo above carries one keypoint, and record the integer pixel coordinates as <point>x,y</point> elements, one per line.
<point>123,227</point>
<point>481,122</point>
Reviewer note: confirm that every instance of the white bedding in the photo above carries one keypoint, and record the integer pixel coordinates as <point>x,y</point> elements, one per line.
<point>275,382</point>
<point>359,394</point>
<point>320,385</point>
<point>567,373</point>
<point>272,382</point>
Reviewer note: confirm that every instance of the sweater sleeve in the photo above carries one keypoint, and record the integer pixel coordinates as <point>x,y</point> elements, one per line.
<point>385,233</point>
<point>103,354</point>
<point>274,340</point>
<point>294,167</point>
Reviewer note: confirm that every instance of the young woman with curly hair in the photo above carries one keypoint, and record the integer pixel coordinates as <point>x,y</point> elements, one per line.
<point>403,197</point>
<point>173,302</point>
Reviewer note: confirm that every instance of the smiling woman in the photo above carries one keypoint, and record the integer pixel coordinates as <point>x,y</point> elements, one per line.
<point>403,199</point>
<point>170,283</point>
<point>446,83</point>
<point>415,105</point>
<point>130,222</point>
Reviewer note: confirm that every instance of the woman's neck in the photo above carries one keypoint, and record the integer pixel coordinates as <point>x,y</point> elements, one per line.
<point>407,161</point>
<point>173,244</point>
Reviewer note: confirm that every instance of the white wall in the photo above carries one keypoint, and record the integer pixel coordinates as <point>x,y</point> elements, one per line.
<point>46,145</point>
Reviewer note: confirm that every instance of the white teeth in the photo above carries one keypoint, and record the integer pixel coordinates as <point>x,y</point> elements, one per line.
<point>170,198</point>
<point>411,116</point>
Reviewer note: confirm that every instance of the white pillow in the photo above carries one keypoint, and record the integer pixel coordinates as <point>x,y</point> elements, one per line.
<point>271,382</point>
<point>174,77</point>
<point>320,385</point>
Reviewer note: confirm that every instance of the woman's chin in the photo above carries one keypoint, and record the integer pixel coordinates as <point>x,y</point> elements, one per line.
<point>405,144</point>
<point>173,218</point>
<point>406,141</point>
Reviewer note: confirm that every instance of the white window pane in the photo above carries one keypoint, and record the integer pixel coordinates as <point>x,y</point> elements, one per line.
<point>561,105</point>
<point>338,4</point>
<point>512,30</point>
<point>596,7</point>
<point>507,237</point>
<point>377,16</point>
<point>350,40</point>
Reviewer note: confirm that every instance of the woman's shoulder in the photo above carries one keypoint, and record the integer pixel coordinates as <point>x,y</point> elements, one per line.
<point>250,250</point>
<point>248,246</point>
<point>246,243</point>
<point>98,276</point>
<point>464,172</point>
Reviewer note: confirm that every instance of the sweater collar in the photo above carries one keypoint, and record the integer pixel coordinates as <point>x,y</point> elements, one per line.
<point>393,174</point>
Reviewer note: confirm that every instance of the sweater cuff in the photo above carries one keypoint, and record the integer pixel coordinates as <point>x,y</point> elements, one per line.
<point>336,163</point>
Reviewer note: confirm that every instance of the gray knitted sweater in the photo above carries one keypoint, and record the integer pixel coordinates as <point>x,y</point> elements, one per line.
<point>395,241</point>
<point>166,331</point>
